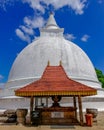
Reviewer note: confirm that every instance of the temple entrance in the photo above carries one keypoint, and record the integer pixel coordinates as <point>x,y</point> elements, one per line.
<point>55,114</point>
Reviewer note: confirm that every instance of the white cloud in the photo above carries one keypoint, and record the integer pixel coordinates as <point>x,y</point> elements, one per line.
<point>35,22</point>
<point>1,77</point>
<point>70,37</point>
<point>27,30</point>
<point>24,32</point>
<point>35,5</point>
<point>2,85</point>
<point>100,1</point>
<point>85,38</point>
<point>76,5</point>
<point>22,36</point>
<point>4,3</point>
<point>40,5</point>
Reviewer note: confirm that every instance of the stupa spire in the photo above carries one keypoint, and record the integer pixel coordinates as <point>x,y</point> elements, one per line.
<point>51,21</point>
<point>51,28</point>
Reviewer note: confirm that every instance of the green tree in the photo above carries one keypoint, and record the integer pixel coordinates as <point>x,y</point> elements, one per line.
<point>100,76</point>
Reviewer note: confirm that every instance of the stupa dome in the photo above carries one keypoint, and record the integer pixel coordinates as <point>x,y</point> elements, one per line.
<point>51,46</point>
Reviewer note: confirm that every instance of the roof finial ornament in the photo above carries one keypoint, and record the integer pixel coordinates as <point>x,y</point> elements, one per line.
<point>48,63</point>
<point>51,12</point>
<point>51,9</point>
<point>60,63</point>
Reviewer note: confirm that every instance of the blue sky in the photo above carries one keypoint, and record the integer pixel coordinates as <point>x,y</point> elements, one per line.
<point>82,20</point>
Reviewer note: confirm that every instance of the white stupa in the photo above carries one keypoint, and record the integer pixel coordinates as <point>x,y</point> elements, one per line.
<point>32,60</point>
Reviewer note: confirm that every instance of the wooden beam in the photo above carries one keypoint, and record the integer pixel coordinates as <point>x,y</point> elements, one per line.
<point>36,102</point>
<point>41,100</point>
<point>74,102</point>
<point>46,101</point>
<point>31,106</point>
<point>80,110</point>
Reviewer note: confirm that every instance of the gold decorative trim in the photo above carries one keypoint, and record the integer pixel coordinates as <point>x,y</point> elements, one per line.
<point>71,93</point>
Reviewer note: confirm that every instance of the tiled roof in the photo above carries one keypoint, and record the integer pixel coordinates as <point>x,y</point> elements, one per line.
<point>54,81</point>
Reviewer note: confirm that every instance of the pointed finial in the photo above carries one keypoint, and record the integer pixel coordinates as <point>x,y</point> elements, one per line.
<point>60,63</point>
<point>51,12</point>
<point>48,63</point>
<point>51,21</point>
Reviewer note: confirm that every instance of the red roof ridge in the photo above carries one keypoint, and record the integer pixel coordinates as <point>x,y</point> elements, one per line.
<point>55,81</point>
<point>55,73</point>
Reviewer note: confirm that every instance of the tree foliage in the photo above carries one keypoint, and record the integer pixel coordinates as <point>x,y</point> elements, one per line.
<point>100,76</point>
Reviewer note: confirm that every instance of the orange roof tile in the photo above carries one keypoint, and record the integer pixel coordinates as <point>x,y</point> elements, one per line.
<point>54,81</point>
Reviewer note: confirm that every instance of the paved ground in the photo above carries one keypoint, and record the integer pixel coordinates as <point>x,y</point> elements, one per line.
<point>96,126</point>
<point>13,127</point>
